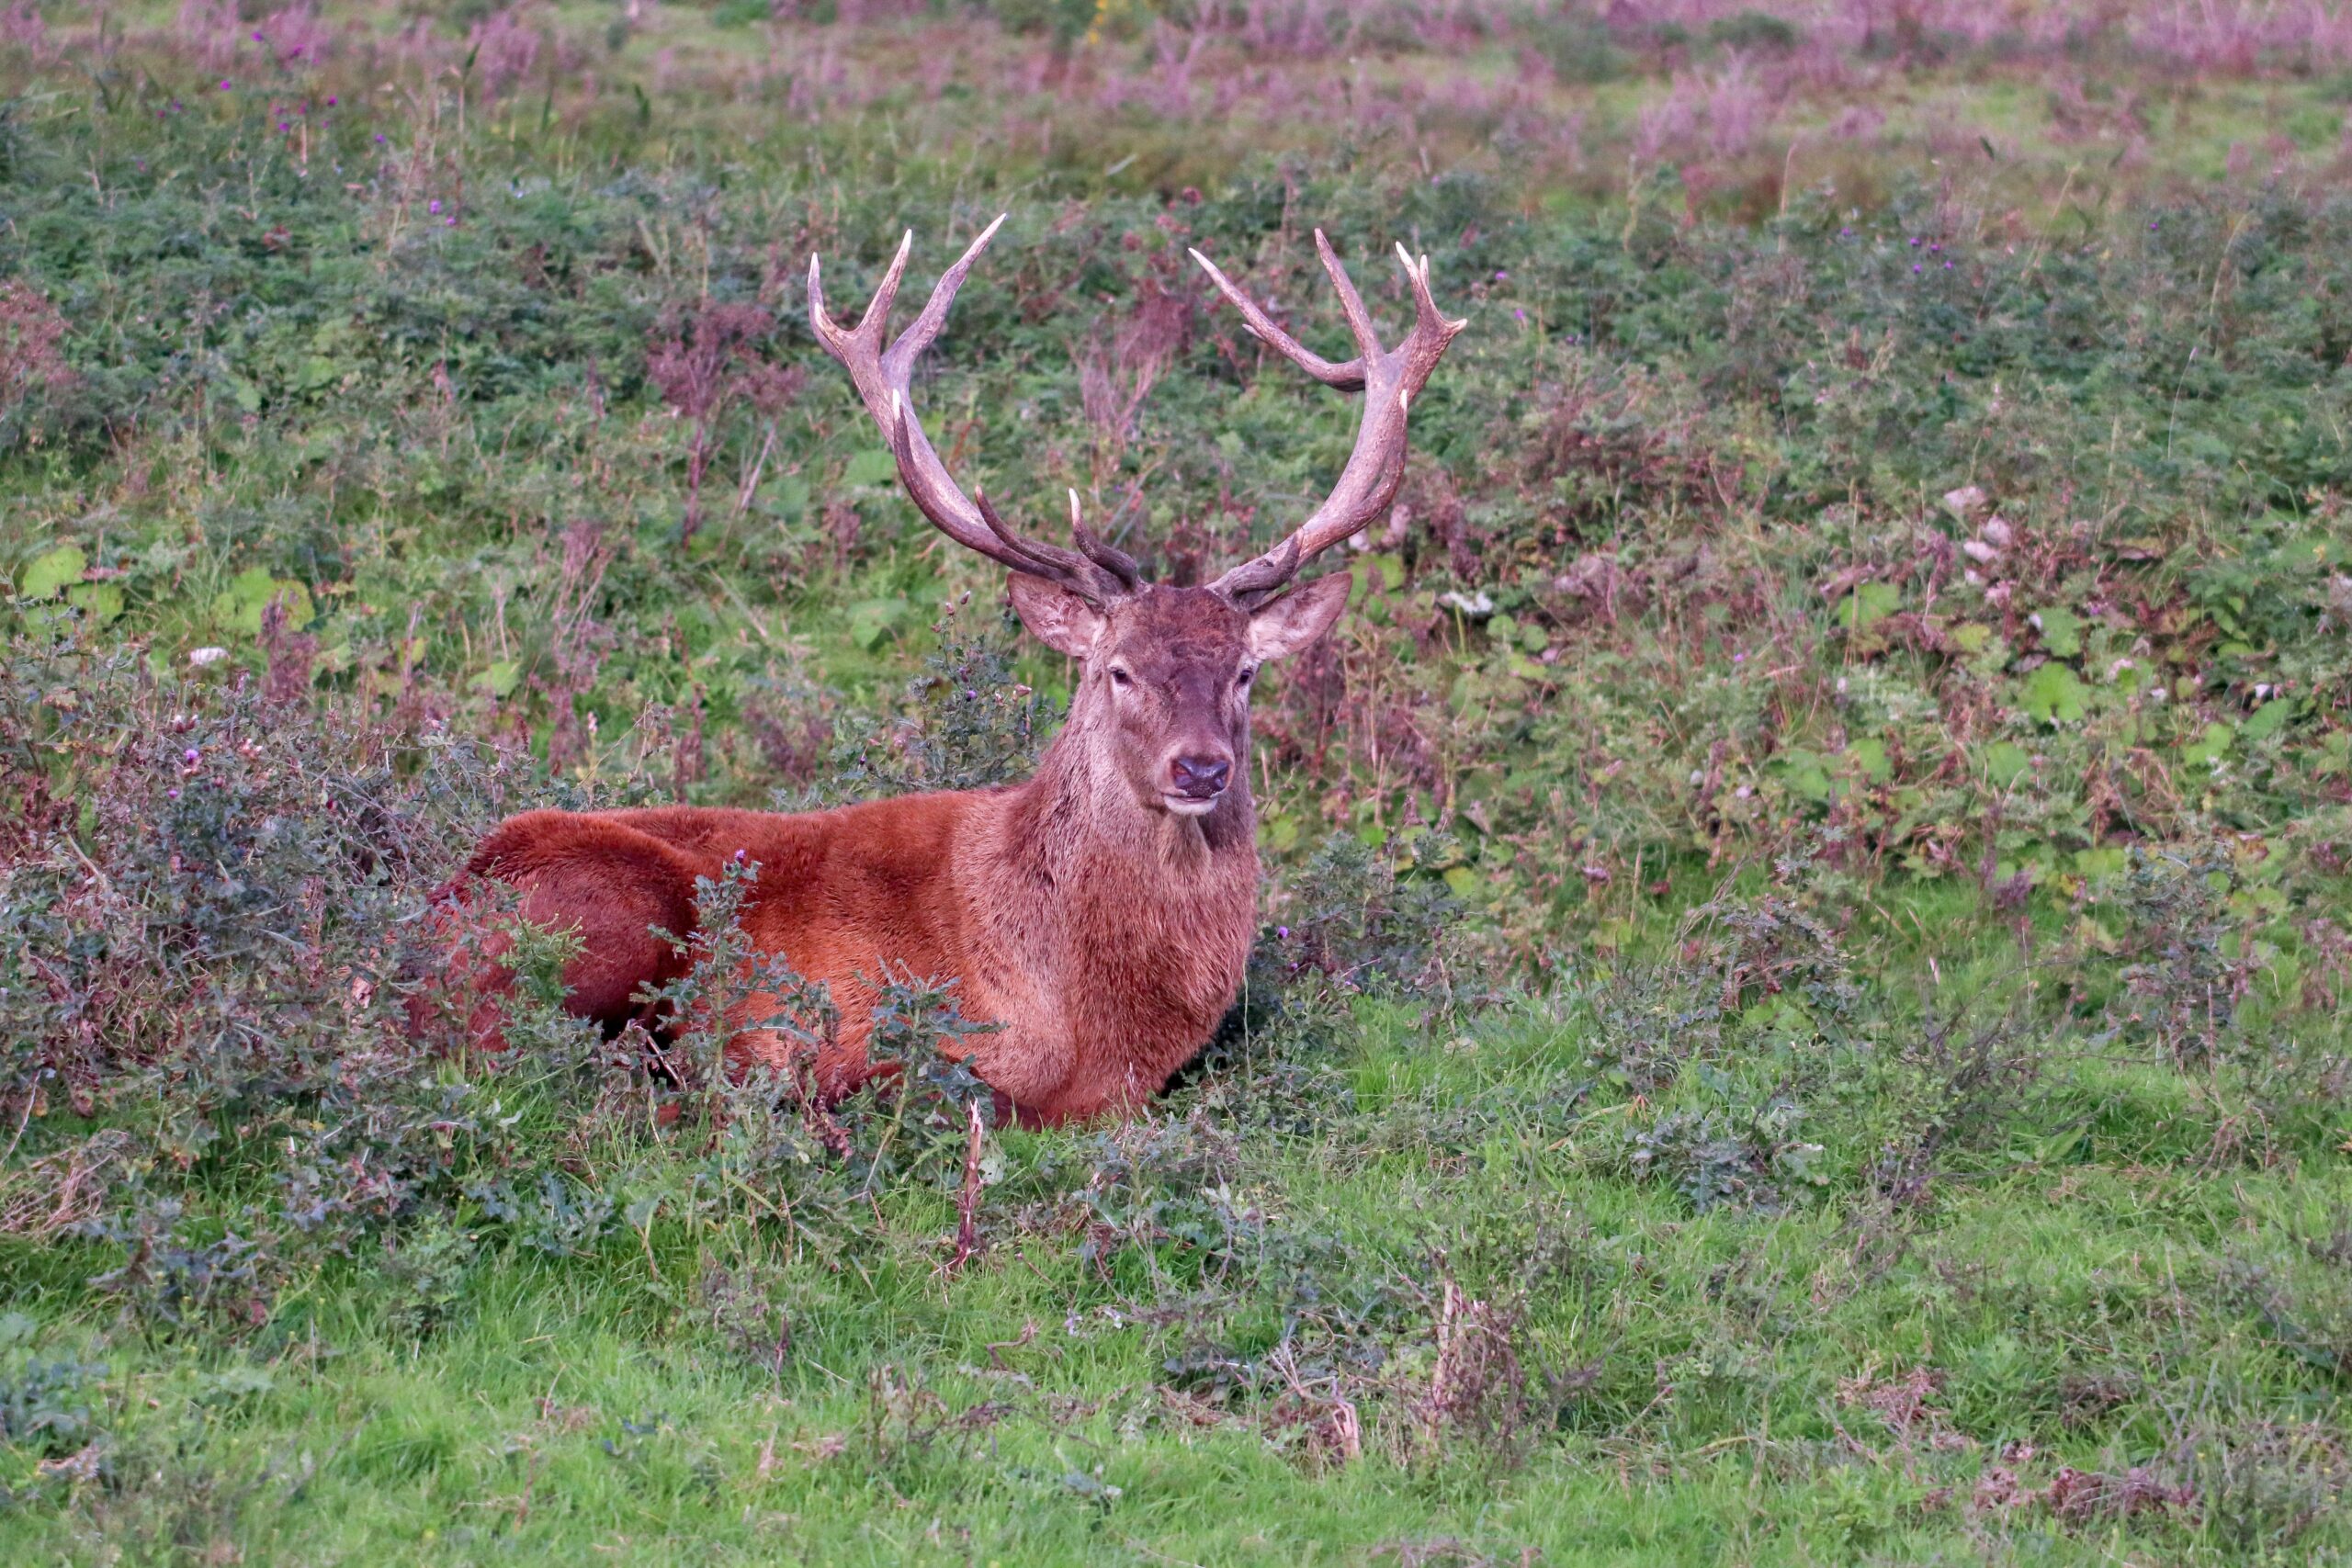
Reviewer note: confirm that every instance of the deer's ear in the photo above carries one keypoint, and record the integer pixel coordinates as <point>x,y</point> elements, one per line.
<point>1299,617</point>
<point>1060,619</point>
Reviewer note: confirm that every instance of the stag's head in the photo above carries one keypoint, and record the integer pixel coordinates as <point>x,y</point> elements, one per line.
<point>1167,671</point>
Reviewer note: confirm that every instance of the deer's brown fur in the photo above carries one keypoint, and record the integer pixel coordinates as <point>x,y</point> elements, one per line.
<point>1102,912</point>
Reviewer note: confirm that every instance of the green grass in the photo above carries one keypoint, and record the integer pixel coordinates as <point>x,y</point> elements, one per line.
<point>588,1403</point>
<point>1794,1024</point>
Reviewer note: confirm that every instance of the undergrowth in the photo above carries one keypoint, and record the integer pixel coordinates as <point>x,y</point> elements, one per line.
<point>1799,1012</point>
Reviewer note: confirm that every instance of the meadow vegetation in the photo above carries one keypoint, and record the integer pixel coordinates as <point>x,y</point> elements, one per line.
<point>1801,1014</point>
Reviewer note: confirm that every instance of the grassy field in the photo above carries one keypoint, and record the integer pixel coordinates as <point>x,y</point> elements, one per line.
<point>1801,1017</point>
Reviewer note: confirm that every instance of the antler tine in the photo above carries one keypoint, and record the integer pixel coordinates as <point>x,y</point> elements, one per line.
<point>1038,557</point>
<point>875,321</point>
<point>1351,302</point>
<point>1001,545</point>
<point>883,372</point>
<point>1347,376</point>
<point>1250,585</point>
<point>1117,562</point>
<point>903,353</point>
<point>1366,486</point>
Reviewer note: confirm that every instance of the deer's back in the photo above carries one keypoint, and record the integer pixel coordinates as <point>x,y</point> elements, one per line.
<point>840,895</point>
<point>839,892</point>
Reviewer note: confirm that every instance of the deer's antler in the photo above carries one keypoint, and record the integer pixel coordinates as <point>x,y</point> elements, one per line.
<point>883,372</point>
<point>1391,379</point>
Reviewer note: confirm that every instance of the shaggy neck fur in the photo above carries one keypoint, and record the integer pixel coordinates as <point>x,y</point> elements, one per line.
<point>1128,925</point>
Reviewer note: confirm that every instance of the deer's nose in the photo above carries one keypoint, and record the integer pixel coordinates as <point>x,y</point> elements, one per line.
<point>1200,778</point>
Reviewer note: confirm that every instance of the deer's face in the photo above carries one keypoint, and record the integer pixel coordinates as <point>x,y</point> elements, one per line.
<point>1168,677</point>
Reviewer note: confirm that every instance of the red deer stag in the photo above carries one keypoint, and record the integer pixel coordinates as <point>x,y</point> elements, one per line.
<point>1101,913</point>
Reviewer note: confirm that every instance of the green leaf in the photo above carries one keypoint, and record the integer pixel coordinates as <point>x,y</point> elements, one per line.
<point>2101,864</point>
<point>249,594</point>
<point>1868,755</point>
<point>871,468</point>
<point>2055,695</point>
<point>2269,719</point>
<point>789,496</point>
<point>500,679</point>
<point>1870,603</point>
<point>2062,632</point>
<point>52,571</point>
<point>99,601</point>
<point>2006,762</point>
<point>872,620</point>
<point>1803,772</point>
<point>1462,881</point>
<point>2211,746</point>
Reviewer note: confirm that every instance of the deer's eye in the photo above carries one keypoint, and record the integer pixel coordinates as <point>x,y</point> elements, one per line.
<point>1120,678</point>
<point>1241,682</point>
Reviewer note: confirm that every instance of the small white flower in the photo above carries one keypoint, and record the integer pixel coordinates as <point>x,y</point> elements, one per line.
<point>200,656</point>
<point>1475,605</point>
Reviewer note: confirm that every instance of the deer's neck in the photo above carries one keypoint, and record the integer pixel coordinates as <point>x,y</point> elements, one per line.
<point>1085,821</point>
<point>1126,921</point>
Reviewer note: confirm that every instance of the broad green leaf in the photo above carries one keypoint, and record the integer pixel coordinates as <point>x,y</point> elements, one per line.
<point>789,496</point>
<point>52,571</point>
<point>2062,632</point>
<point>1803,771</point>
<point>2102,862</point>
<point>249,594</point>
<point>1869,756</point>
<point>2054,693</point>
<point>1870,603</point>
<point>500,679</point>
<point>1462,880</point>
<point>2269,719</point>
<point>871,468</point>
<point>2211,746</point>
<point>99,601</point>
<point>872,620</point>
<point>2006,762</point>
